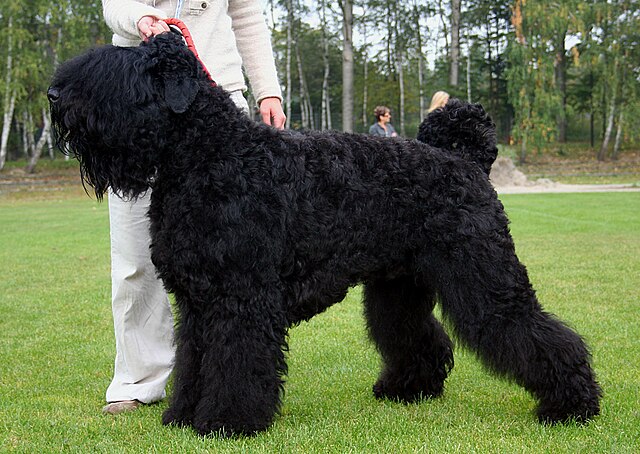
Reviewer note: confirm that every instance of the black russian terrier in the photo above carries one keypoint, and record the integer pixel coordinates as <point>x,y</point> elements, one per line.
<point>255,229</point>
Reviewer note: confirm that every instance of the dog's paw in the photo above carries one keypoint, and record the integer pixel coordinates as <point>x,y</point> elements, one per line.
<point>172,417</point>
<point>225,430</point>
<point>577,402</point>
<point>379,390</point>
<point>580,413</point>
<point>383,389</point>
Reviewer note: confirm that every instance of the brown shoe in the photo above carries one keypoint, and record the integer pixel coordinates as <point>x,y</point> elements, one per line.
<point>122,406</point>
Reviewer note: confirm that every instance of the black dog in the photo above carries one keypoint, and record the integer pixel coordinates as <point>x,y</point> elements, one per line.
<point>255,229</point>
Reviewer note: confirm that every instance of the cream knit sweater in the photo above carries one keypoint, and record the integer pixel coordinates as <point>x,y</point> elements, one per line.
<point>228,35</point>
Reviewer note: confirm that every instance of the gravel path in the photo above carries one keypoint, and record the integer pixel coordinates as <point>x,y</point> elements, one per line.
<point>559,187</point>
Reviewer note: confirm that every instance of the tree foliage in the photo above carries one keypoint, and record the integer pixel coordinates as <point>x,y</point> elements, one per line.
<point>39,34</point>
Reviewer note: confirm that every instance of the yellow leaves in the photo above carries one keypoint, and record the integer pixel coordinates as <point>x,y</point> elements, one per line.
<point>516,21</point>
<point>575,54</point>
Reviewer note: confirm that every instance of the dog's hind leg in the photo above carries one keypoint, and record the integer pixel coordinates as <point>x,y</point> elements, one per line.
<point>486,293</point>
<point>417,354</point>
<point>242,365</point>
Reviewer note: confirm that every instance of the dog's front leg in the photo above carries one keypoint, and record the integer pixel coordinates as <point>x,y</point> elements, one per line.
<point>242,365</point>
<point>186,379</point>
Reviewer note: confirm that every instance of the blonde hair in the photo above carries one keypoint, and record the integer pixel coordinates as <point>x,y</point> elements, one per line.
<point>439,99</point>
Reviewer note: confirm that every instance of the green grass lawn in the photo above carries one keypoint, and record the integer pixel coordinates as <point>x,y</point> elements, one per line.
<point>57,346</point>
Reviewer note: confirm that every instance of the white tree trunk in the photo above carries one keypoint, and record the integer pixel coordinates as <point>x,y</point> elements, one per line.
<point>51,144</point>
<point>9,99</point>
<point>445,30</point>
<point>44,137</point>
<point>420,62</point>
<point>288,62</point>
<point>401,86</point>
<point>365,75</point>
<point>468,67</point>
<point>607,135</point>
<point>325,121</point>
<point>618,142</point>
<point>347,65</point>
<point>27,134</point>
<point>304,119</point>
<point>454,56</point>
<point>306,110</point>
<point>6,127</point>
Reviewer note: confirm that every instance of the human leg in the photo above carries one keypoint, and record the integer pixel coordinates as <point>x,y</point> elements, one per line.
<point>143,321</point>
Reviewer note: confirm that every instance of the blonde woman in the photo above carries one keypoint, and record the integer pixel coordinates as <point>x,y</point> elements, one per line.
<point>439,99</point>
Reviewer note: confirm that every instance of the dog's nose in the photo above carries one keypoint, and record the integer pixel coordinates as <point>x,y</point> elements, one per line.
<point>53,94</point>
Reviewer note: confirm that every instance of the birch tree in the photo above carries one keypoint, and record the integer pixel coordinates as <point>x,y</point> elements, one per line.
<point>611,114</point>
<point>346,6</point>
<point>454,54</point>
<point>364,30</point>
<point>289,51</point>
<point>33,41</point>
<point>620,54</point>
<point>37,148</point>
<point>325,115</point>
<point>419,44</point>
<point>442,15</point>
<point>9,96</point>
<point>306,109</point>
<point>396,44</point>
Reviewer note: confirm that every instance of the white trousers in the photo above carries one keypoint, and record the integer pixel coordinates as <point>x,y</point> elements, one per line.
<point>142,317</point>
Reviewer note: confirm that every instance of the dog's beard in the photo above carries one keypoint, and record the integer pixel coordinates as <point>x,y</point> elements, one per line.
<point>89,166</point>
<point>102,166</point>
<point>69,145</point>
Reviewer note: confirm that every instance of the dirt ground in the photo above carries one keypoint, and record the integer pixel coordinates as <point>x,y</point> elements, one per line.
<point>45,182</point>
<point>507,179</point>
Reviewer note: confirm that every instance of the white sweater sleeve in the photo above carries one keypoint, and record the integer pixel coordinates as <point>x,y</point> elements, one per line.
<point>122,17</point>
<point>254,45</point>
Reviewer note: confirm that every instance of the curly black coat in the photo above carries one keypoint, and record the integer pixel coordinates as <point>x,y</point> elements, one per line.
<point>255,229</point>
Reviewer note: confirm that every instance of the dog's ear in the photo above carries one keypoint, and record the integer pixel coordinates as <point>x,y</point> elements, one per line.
<point>178,70</point>
<point>179,92</point>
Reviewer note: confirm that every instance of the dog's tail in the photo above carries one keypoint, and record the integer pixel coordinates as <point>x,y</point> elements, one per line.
<point>464,129</point>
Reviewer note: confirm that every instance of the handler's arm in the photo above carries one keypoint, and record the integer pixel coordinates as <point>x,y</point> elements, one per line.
<point>254,44</point>
<point>123,17</point>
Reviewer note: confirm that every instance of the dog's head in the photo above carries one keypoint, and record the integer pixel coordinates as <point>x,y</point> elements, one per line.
<point>464,129</point>
<point>111,108</point>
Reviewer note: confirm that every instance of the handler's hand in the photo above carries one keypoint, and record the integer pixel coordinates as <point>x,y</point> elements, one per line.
<point>272,113</point>
<point>150,26</point>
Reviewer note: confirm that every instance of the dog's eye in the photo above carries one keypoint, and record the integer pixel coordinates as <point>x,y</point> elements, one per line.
<point>53,94</point>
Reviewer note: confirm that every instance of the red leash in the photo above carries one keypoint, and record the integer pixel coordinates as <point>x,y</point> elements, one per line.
<point>189,41</point>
